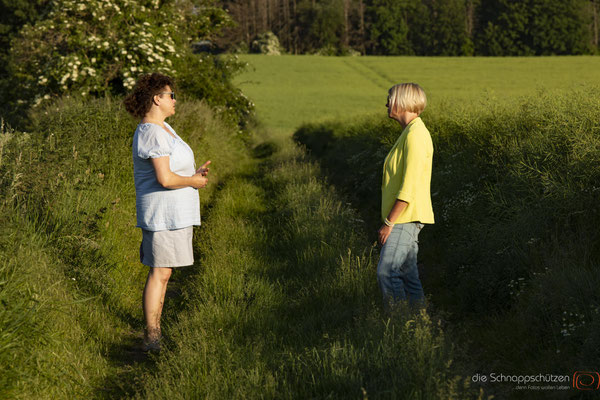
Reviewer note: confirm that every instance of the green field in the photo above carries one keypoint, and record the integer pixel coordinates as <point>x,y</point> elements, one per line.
<point>291,90</point>
<point>511,263</point>
<point>283,302</point>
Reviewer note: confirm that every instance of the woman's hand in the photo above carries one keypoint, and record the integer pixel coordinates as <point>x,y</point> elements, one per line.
<point>204,169</point>
<point>383,233</point>
<point>169,180</point>
<point>199,180</point>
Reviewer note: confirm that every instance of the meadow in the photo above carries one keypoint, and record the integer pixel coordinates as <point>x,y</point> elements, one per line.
<point>291,90</point>
<point>282,301</point>
<point>512,260</point>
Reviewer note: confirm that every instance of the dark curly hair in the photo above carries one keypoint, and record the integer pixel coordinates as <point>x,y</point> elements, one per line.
<point>139,101</point>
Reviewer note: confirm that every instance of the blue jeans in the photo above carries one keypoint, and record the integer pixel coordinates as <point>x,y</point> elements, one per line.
<point>397,271</point>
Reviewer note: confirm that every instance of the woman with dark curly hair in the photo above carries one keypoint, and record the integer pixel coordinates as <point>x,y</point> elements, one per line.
<point>167,203</point>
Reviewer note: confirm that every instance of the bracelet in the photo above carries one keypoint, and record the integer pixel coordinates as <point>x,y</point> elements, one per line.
<point>388,222</point>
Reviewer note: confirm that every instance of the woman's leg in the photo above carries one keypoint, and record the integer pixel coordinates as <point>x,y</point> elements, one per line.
<point>397,271</point>
<point>410,277</point>
<point>153,299</point>
<point>392,256</point>
<point>162,303</point>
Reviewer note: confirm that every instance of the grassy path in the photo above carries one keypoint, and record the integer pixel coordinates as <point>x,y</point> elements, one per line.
<point>286,303</point>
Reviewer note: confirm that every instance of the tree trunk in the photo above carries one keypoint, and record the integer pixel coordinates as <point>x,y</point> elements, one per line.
<point>361,26</point>
<point>470,11</point>
<point>295,27</point>
<point>595,10</point>
<point>285,31</point>
<point>346,38</point>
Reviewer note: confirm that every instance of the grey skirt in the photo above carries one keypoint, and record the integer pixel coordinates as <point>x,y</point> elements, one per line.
<point>167,249</point>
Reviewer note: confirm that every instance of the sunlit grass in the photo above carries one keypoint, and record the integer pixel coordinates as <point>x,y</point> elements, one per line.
<point>291,90</point>
<point>287,306</point>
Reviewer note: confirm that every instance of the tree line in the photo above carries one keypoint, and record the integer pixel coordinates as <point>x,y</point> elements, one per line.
<point>419,27</point>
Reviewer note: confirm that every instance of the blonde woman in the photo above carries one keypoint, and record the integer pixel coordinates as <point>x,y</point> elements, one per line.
<point>406,200</point>
<point>166,185</point>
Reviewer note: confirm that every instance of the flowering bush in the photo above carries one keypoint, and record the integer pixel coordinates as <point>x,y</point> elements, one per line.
<point>100,46</point>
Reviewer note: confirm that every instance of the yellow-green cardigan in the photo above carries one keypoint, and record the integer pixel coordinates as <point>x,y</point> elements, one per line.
<point>407,175</point>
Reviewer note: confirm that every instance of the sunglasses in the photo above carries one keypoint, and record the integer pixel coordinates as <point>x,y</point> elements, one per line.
<point>171,93</point>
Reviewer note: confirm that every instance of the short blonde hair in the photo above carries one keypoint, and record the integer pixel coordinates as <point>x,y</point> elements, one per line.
<point>407,97</point>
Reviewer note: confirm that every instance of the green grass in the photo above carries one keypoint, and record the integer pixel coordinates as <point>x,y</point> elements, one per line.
<point>70,276</point>
<point>292,90</point>
<point>286,306</point>
<point>283,301</point>
<point>513,257</point>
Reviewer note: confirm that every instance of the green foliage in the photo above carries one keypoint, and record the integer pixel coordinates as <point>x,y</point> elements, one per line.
<point>207,77</point>
<point>418,27</point>
<point>285,307</point>
<point>389,27</point>
<point>266,43</point>
<point>99,47</point>
<point>203,19</point>
<point>422,27</point>
<point>13,15</point>
<point>70,277</point>
<point>438,28</point>
<point>534,27</point>
<point>93,47</point>
<point>320,24</point>
<point>516,202</point>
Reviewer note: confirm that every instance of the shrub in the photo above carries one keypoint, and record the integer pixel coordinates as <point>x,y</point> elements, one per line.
<point>515,193</point>
<point>93,47</point>
<point>97,47</point>
<point>204,76</point>
<point>266,43</point>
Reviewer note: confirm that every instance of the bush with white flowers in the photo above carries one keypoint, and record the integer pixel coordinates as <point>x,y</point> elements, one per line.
<point>93,47</point>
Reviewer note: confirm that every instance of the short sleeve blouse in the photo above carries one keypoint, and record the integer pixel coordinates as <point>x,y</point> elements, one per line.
<point>159,208</point>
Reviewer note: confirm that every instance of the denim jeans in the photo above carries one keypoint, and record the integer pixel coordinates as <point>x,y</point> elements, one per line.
<point>397,271</point>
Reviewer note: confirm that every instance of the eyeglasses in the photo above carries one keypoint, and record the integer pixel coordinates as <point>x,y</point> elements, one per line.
<point>171,93</point>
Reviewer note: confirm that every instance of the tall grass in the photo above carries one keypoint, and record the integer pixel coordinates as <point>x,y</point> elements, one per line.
<point>70,278</point>
<point>514,253</point>
<point>286,305</point>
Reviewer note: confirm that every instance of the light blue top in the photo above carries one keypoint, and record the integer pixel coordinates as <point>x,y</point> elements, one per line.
<point>158,208</point>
